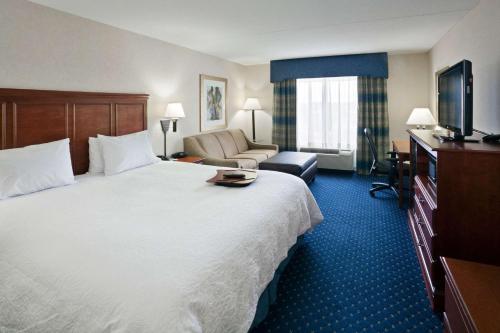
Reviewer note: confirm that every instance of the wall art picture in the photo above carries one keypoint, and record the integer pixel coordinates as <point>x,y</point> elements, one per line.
<point>212,103</point>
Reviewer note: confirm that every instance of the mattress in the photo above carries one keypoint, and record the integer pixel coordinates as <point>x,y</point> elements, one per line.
<point>149,250</point>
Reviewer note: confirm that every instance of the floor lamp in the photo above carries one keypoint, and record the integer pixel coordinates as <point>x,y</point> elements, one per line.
<point>252,104</point>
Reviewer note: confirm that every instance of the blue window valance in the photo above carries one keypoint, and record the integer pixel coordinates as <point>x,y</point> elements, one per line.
<point>370,65</point>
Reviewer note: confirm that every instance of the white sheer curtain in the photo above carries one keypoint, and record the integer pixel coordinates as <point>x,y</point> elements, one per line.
<point>327,110</point>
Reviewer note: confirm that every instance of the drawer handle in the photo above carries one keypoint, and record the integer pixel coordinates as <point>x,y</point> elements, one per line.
<point>418,220</point>
<point>420,244</point>
<point>420,199</point>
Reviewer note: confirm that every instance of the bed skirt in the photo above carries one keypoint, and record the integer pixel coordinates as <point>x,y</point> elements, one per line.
<point>270,294</point>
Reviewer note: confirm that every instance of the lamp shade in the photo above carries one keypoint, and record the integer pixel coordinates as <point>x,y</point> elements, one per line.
<point>174,111</point>
<point>252,104</point>
<point>421,116</point>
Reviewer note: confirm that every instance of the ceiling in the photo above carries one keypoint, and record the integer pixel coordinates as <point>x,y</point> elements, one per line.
<point>254,32</point>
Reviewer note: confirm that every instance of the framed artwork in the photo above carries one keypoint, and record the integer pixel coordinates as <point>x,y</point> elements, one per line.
<point>212,103</point>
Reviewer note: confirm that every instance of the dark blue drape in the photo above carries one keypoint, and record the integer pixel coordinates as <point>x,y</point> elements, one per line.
<point>366,65</point>
<point>284,115</point>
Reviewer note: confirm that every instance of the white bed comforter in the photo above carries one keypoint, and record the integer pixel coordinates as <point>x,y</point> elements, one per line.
<point>155,249</point>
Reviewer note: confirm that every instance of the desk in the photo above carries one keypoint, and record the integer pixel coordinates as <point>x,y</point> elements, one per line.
<point>402,148</point>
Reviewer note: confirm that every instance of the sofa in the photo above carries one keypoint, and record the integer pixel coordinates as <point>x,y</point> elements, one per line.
<point>228,148</point>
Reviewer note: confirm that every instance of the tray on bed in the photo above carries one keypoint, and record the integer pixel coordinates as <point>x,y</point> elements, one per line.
<point>219,179</point>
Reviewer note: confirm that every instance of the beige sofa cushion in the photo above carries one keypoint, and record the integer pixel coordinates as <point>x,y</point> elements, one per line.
<point>256,157</point>
<point>211,145</point>
<point>239,139</point>
<point>227,143</point>
<point>267,152</point>
<point>245,163</point>
<point>227,147</point>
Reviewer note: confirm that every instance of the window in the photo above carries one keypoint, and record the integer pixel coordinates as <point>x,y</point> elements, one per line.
<point>327,110</point>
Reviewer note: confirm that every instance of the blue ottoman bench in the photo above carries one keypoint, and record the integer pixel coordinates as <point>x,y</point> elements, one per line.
<point>303,165</point>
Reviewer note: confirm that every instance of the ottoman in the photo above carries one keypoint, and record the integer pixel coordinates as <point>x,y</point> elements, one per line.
<point>303,165</point>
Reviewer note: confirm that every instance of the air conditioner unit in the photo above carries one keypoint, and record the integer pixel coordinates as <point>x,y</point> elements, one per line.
<point>333,159</point>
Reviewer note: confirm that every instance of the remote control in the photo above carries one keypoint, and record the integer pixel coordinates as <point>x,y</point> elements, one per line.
<point>234,175</point>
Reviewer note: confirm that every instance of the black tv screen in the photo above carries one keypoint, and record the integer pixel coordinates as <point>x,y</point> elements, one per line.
<point>455,98</point>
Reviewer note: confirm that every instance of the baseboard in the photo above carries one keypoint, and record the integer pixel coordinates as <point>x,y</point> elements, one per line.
<point>338,171</point>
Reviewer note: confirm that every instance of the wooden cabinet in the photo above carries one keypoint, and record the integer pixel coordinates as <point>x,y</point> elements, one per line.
<point>455,205</point>
<point>472,297</point>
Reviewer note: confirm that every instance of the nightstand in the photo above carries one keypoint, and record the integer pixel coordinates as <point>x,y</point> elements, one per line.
<point>190,159</point>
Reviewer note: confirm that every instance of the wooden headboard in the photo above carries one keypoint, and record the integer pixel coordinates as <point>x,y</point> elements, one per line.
<point>30,117</point>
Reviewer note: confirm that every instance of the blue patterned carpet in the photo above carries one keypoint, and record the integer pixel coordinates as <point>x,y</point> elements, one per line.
<point>357,272</point>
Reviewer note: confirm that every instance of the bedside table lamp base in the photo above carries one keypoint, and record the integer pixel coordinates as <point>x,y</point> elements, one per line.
<point>173,112</point>
<point>165,124</point>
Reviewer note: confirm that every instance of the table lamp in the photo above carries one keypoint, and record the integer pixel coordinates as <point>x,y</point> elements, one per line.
<point>173,112</point>
<point>421,117</point>
<point>252,104</point>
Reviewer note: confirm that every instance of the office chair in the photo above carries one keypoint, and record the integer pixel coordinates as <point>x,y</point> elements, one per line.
<point>389,167</point>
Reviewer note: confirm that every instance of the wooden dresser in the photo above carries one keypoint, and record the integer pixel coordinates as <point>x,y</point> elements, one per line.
<point>472,297</point>
<point>456,213</point>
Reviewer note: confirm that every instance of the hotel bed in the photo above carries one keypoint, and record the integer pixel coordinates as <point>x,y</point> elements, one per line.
<point>153,249</point>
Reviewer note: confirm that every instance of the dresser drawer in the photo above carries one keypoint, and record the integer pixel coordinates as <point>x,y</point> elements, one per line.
<point>422,256</point>
<point>432,264</point>
<point>426,230</point>
<point>426,200</point>
<point>454,320</point>
<point>428,246</point>
<point>446,324</point>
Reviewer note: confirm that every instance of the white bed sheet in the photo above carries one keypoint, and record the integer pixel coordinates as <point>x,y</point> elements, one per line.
<point>154,249</point>
<point>86,176</point>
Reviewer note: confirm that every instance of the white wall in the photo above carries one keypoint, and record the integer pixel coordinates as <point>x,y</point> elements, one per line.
<point>41,48</point>
<point>476,38</point>
<point>407,88</point>
<point>258,84</point>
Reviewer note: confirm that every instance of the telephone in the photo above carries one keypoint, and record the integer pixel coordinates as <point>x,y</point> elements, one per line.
<point>491,138</point>
<point>180,154</point>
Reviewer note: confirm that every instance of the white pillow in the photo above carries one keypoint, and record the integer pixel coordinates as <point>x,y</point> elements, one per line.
<point>96,165</point>
<point>35,168</point>
<point>121,153</point>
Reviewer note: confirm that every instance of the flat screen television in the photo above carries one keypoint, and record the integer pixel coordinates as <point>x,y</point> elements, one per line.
<point>455,99</point>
